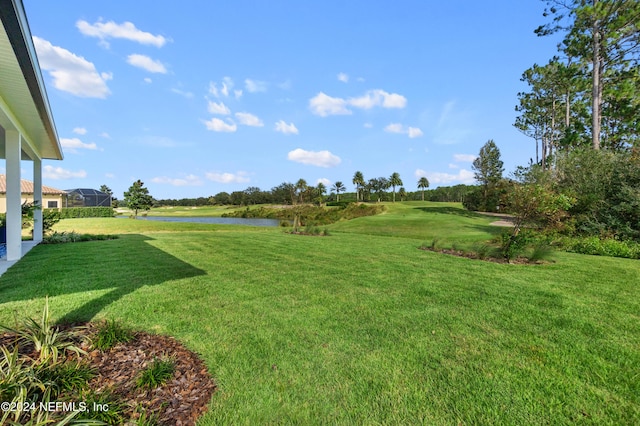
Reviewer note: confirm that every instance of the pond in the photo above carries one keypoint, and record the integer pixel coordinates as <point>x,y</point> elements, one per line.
<point>215,220</point>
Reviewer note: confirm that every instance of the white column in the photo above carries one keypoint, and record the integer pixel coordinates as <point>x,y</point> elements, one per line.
<point>37,199</point>
<point>13,150</point>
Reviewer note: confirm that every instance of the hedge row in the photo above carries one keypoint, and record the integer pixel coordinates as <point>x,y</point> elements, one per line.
<point>77,212</point>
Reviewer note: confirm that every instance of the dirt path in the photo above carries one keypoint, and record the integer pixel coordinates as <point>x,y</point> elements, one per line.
<point>504,219</point>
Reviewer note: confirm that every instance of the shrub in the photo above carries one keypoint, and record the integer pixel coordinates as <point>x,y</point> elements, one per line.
<point>73,237</point>
<point>109,334</point>
<point>602,247</point>
<point>114,415</point>
<point>48,341</point>
<point>157,373</point>
<point>65,377</point>
<point>78,212</point>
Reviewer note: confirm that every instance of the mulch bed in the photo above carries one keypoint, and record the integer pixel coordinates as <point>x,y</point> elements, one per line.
<point>180,401</point>
<point>471,255</point>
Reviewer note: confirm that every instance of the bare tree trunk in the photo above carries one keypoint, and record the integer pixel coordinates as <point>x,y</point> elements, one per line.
<point>597,89</point>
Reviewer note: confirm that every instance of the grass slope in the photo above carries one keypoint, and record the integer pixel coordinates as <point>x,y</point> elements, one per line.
<point>359,328</point>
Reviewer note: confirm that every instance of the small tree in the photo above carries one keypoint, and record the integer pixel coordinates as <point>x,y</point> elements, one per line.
<point>488,172</point>
<point>138,198</point>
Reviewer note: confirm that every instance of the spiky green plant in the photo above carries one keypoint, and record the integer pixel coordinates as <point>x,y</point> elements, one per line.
<point>48,340</point>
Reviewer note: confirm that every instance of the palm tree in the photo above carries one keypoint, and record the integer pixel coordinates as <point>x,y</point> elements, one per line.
<point>402,193</point>
<point>394,181</point>
<point>301,187</point>
<point>422,184</point>
<point>321,189</point>
<point>358,181</point>
<point>338,187</point>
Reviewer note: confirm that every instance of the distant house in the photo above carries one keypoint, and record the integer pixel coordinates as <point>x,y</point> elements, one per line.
<point>84,197</point>
<point>52,198</point>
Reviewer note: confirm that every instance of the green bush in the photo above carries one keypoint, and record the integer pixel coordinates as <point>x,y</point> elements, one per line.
<point>109,334</point>
<point>602,247</point>
<point>73,237</point>
<point>157,373</point>
<point>80,212</point>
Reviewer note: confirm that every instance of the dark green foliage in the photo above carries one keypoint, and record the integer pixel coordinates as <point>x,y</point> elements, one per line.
<point>488,170</point>
<point>601,246</point>
<point>73,237</point>
<point>157,373</point>
<point>138,198</point>
<point>310,215</point>
<point>114,415</point>
<point>512,245</point>
<point>111,333</point>
<point>71,376</point>
<point>78,212</point>
<point>606,187</point>
<point>49,218</point>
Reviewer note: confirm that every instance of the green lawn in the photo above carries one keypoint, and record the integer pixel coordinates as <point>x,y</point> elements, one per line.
<point>359,327</point>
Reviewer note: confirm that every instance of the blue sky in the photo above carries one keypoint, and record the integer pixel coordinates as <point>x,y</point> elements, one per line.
<point>199,97</point>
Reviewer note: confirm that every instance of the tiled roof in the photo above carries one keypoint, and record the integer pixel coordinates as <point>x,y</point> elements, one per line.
<point>26,187</point>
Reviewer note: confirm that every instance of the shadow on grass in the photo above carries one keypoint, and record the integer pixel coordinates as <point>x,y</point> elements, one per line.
<point>122,266</point>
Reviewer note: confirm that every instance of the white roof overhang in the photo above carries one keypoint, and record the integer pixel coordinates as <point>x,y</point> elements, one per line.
<point>24,105</point>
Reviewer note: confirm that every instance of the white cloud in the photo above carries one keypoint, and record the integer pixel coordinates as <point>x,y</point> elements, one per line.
<point>287,129</point>
<point>80,131</point>
<point>314,158</point>
<point>105,135</point>
<point>109,175</point>
<point>187,95</point>
<point>71,73</point>
<point>254,86</point>
<point>248,119</point>
<point>147,80</point>
<point>464,158</point>
<point>435,178</point>
<point>343,77</point>
<point>324,105</point>
<point>189,180</point>
<point>74,144</point>
<point>126,30</point>
<point>225,87</point>
<point>453,166</point>
<point>218,125</point>
<point>378,97</point>
<point>218,108</point>
<point>326,182</point>
<point>368,125</point>
<point>58,173</point>
<point>412,132</point>
<point>395,128</point>
<point>146,63</point>
<point>238,177</point>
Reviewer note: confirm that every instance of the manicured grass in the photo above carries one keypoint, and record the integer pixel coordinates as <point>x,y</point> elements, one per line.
<point>359,327</point>
<point>448,223</point>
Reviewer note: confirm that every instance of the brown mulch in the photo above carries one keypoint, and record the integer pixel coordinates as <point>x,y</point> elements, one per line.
<point>180,401</point>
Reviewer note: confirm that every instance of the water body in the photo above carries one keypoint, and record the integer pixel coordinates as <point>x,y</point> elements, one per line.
<point>215,220</point>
